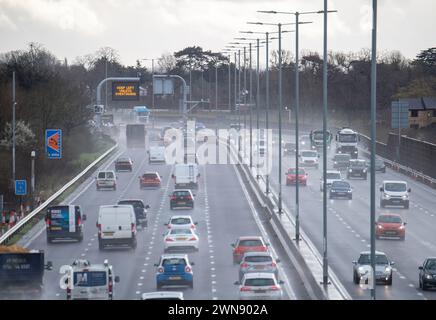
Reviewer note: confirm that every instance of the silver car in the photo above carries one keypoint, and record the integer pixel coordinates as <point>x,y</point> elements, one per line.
<point>383,268</point>
<point>260,285</point>
<point>258,262</point>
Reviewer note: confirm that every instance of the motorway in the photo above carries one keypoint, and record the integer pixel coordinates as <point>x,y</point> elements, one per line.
<point>349,231</point>
<point>222,211</point>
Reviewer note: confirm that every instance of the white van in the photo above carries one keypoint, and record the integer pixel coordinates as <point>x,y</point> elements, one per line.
<point>116,226</point>
<point>106,180</point>
<point>186,175</point>
<point>85,281</point>
<point>156,154</point>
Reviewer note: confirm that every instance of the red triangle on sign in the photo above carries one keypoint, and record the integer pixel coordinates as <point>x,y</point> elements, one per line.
<point>53,142</point>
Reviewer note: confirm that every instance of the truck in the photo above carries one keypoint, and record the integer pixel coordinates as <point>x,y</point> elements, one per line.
<point>135,136</point>
<point>186,175</point>
<point>346,142</point>
<point>21,271</point>
<point>317,139</point>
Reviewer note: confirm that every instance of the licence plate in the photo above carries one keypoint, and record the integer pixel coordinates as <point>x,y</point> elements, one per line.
<point>259,291</point>
<point>175,278</point>
<point>55,228</point>
<point>258,267</point>
<point>180,239</point>
<point>108,233</point>
<point>181,202</point>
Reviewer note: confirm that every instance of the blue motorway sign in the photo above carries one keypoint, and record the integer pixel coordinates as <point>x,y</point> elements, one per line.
<point>53,143</point>
<point>399,115</point>
<point>20,187</point>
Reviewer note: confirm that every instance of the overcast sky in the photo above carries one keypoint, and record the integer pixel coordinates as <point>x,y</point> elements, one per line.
<point>148,28</point>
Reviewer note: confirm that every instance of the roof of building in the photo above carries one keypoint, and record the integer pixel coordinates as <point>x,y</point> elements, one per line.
<point>423,103</point>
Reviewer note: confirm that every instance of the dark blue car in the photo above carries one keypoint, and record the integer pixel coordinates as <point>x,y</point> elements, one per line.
<point>341,189</point>
<point>174,269</point>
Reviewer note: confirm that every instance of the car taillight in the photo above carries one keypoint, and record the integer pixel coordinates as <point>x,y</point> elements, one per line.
<point>110,286</point>
<point>68,292</point>
<point>244,265</point>
<point>193,239</point>
<point>133,227</point>
<point>188,198</point>
<point>274,288</point>
<point>273,264</point>
<point>169,239</point>
<point>160,270</point>
<point>173,197</point>
<point>79,221</point>
<point>245,289</point>
<point>187,269</point>
<point>99,227</point>
<point>48,222</point>
<point>192,226</point>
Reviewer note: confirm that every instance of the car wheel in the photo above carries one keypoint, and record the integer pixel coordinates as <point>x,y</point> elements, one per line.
<point>382,204</point>
<point>384,170</point>
<point>424,286</point>
<point>49,240</point>
<point>355,279</point>
<point>406,206</point>
<point>171,207</point>
<point>134,243</point>
<point>350,197</point>
<point>80,238</point>
<point>389,282</point>
<point>420,283</point>
<point>98,189</point>
<point>403,238</point>
<point>191,285</point>
<point>365,177</point>
<point>100,245</point>
<point>330,196</point>
<point>158,286</point>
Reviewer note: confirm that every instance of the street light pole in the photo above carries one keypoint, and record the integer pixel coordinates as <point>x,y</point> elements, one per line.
<point>280,119</point>
<point>216,86</point>
<point>236,87</point>
<point>373,139</point>
<point>239,95</point>
<point>325,269</point>
<point>13,127</point>
<point>245,101</point>
<point>251,113</point>
<point>257,108</point>
<point>267,112</point>
<point>32,174</point>
<point>152,75</point>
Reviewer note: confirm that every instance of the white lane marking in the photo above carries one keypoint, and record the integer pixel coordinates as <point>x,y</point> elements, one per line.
<point>82,254</point>
<point>411,285</point>
<point>139,284</point>
<point>141,278</point>
<point>402,277</point>
<point>213,275</point>
<point>58,294</point>
<point>138,292</point>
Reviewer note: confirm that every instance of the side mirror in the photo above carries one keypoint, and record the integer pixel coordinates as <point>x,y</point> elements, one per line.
<point>232,245</point>
<point>409,190</point>
<point>392,263</point>
<point>165,224</point>
<point>147,207</point>
<point>278,260</point>
<point>192,263</point>
<point>193,194</point>
<point>96,224</point>
<point>117,279</point>
<point>281,282</point>
<point>196,223</point>
<point>156,265</point>
<point>161,177</point>
<point>420,268</point>
<point>49,265</point>
<point>267,244</point>
<point>173,176</point>
<point>95,178</point>
<point>381,189</point>
<point>404,223</point>
<point>84,217</point>
<point>354,262</point>
<point>236,283</point>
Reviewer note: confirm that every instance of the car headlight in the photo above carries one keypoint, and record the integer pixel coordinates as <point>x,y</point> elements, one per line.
<point>388,270</point>
<point>401,228</point>
<point>361,270</point>
<point>428,276</point>
<point>386,196</point>
<point>339,151</point>
<point>335,162</point>
<point>379,226</point>
<point>355,151</point>
<point>364,170</point>
<point>349,191</point>
<point>350,170</point>
<point>405,197</point>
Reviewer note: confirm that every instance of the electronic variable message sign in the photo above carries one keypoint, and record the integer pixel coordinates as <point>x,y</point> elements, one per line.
<point>125,91</point>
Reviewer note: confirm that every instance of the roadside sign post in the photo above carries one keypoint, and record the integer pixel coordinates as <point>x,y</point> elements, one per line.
<point>20,187</point>
<point>53,143</point>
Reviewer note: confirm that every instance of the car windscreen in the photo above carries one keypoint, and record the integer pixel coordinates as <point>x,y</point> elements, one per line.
<point>174,261</point>
<point>342,157</point>
<point>135,204</point>
<point>431,264</point>
<point>101,175</point>
<point>259,282</point>
<point>250,243</point>
<point>180,221</point>
<point>90,279</point>
<point>289,145</point>
<point>294,171</point>
<point>309,154</point>
<point>395,187</point>
<point>149,176</point>
<point>181,193</point>
<point>180,231</point>
<point>379,259</point>
<point>341,184</point>
<point>258,259</point>
<point>319,135</point>
<point>123,160</point>
<point>333,175</point>
<point>348,137</point>
<point>358,164</point>
<point>389,219</point>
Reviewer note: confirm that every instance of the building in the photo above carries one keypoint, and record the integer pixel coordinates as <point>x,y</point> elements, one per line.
<point>422,111</point>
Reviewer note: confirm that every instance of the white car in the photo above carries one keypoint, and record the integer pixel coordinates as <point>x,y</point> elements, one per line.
<point>394,193</point>
<point>106,180</point>
<point>309,158</point>
<point>163,295</point>
<point>181,239</point>
<point>332,176</point>
<point>260,285</point>
<point>181,222</point>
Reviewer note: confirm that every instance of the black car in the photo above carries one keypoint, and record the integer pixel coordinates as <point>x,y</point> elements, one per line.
<point>379,166</point>
<point>140,210</point>
<point>427,274</point>
<point>341,161</point>
<point>289,149</point>
<point>357,168</point>
<point>124,164</point>
<point>182,199</point>
<point>341,189</point>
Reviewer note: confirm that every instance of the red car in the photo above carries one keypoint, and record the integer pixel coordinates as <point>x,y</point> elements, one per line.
<point>291,177</point>
<point>150,180</point>
<point>390,225</point>
<point>247,244</point>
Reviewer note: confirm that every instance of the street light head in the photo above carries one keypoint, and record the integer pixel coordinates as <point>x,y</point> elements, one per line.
<point>33,154</point>
<point>257,23</point>
<point>270,11</point>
